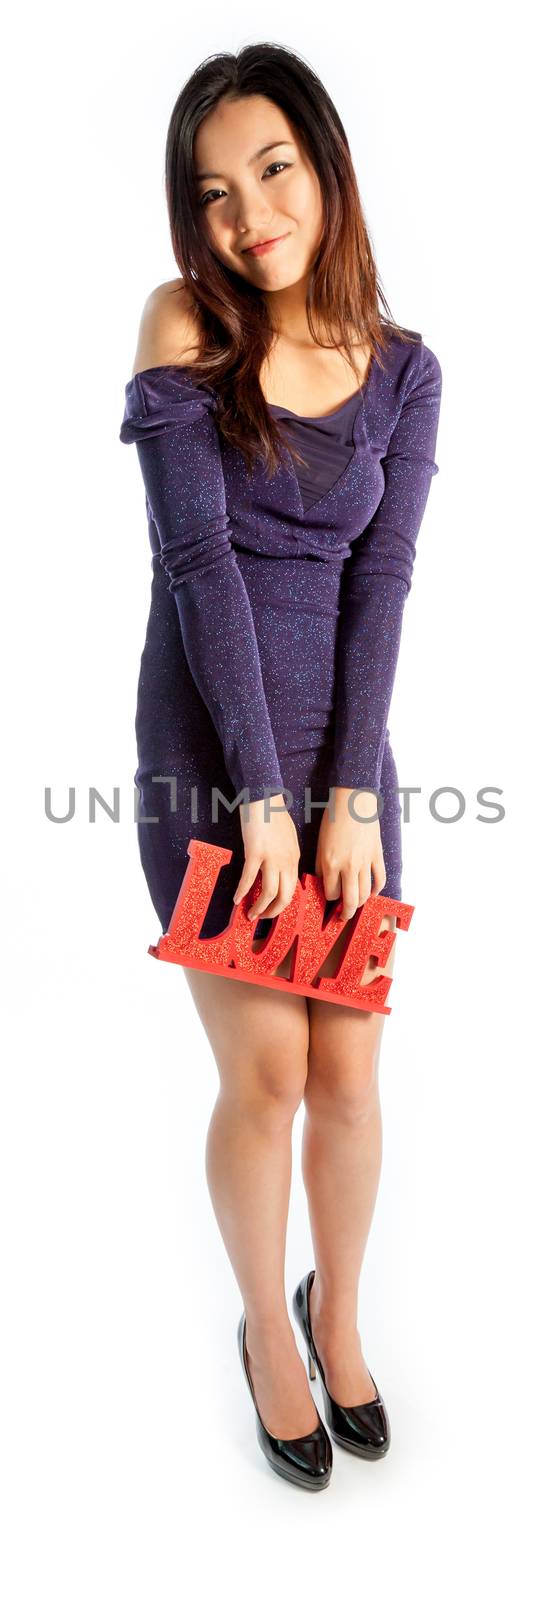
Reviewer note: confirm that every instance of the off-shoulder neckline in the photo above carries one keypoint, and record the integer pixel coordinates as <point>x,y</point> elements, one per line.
<point>328,416</point>
<point>326,500</point>
<point>358,394</point>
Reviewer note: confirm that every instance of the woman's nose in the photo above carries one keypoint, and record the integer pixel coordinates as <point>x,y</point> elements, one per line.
<point>252,215</point>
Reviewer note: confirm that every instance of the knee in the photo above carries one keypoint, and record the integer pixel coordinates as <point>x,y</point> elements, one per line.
<point>273,1090</point>
<point>268,1082</point>
<point>343,1089</point>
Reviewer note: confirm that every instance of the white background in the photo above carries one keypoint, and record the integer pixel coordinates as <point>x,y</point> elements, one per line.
<point>127,1434</point>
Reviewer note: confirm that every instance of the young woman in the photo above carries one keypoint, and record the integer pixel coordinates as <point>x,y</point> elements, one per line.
<point>286,436</point>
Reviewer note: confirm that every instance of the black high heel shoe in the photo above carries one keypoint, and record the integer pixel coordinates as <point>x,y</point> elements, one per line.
<point>364,1429</point>
<point>306,1461</point>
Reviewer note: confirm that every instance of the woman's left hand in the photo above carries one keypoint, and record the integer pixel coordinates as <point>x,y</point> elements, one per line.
<point>349,848</point>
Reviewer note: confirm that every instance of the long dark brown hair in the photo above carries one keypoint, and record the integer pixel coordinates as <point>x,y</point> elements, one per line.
<point>235,334</point>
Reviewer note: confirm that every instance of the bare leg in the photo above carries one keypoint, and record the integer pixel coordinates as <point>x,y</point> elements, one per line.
<point>341,1159</point>
<point>260,1042</point>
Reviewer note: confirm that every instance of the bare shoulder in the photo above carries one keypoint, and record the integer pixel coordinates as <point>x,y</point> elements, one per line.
<point>169,328</point>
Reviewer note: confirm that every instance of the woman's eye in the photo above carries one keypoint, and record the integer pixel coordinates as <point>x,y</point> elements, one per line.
<point>277,164</point>
<point>207,197</point>
<point>211,193</point>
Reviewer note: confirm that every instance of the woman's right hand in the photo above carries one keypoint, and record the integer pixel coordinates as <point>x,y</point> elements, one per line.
<point>271,843</point>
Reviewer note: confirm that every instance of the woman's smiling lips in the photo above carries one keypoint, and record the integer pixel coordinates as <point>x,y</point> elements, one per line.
<point>268,244</point>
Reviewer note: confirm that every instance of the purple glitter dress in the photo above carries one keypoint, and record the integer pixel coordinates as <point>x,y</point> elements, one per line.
<point>276,613</point>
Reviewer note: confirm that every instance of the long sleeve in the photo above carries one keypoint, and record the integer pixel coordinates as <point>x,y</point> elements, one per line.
<point>376,580</point>
<point>170,419</point>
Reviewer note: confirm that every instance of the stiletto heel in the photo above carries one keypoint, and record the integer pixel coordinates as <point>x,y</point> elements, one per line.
<point>364,1429</point>
<point>306,1461</point>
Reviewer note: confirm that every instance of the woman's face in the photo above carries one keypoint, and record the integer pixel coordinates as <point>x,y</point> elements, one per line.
<point>247,197</point>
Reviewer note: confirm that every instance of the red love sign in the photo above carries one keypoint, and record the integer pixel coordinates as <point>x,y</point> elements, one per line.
<point>298,929</point>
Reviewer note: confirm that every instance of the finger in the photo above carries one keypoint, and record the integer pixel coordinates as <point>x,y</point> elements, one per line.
<point>332,883</point>
<point>379,875</point>
<point>248,877</point>
<point>350,894</point>
<point>364,884</point>
<point>287,888</point>
<point>270,883</point>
